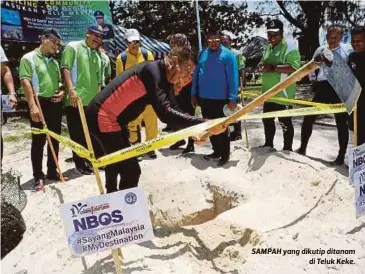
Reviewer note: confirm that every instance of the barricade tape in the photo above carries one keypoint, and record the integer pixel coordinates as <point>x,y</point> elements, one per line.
<point>283,100</point>
<point>77,148</point>
<point>326,109</point>
<point>162,141</point>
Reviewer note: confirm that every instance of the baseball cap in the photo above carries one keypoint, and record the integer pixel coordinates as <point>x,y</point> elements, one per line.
<point>274,25</point>
<point>131,35</point>
<point>51,33</point>
<point>96,29</point>
<point>98,14</point>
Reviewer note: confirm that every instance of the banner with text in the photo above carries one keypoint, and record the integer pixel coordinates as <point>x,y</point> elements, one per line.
<point>359,184</point>
<point>25,20</point>
<point>107,221</point>
<point>356,161</point>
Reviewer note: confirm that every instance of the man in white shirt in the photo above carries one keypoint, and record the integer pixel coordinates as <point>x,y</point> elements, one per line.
<point>324,93</point>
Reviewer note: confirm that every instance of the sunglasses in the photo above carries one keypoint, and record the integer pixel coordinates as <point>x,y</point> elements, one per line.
<point>136,42</point>
<point>214,40</point>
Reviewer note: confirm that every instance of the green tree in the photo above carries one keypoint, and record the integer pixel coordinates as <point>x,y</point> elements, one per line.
<point>158,19</point>
<point>308,17</point>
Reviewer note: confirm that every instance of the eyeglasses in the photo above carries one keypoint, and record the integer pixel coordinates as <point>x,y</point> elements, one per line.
<point>136,42</point>
<point>214,40</point>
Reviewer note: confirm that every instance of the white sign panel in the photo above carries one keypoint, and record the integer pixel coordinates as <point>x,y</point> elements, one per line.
<point>356,161</point>
<point>107,221</point>
<point>343,81</point>
<point>5,104</point>
<point>359,184</point>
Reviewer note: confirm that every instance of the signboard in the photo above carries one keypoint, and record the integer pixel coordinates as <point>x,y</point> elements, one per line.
<point>343,81</point>
<point>356,161</point>
<point>25,20</point>
<point>359,184</point>
<point>5,104</point>
<point>107,221</point>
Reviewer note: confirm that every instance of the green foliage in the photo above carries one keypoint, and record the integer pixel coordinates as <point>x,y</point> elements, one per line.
<point>158,19</point>
<point>308,16</point>
<point>18,138</point>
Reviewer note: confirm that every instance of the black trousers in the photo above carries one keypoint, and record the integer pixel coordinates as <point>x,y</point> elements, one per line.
<point>77,134</point>
<point>270,128</point>
<point>324,93</point>
<point>361,119</point>
<point>52,113</point>
<point>128,170</point>
<point>212,109</point>
<point>184,101</point>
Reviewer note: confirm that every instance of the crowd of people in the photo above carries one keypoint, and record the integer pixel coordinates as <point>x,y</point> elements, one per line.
<point>170,89</point>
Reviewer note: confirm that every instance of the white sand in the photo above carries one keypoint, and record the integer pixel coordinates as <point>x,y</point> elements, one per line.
<point>280,199</point>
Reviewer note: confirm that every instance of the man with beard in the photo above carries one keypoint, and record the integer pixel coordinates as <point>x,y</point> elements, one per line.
<point>82,71</point>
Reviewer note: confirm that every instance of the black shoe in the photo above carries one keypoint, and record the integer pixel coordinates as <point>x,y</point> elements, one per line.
<point>39,184</point>
<point>167,129</point>
<point>222,161</point>
<point>152,154</point>
<point>235,136</point>
<point>301,151</point>
<point>211,156</point>
<point>84,171</point>
<point>69,160</point>
<point>177,145</point>
<point>338,162</point>
<point>189,148</point>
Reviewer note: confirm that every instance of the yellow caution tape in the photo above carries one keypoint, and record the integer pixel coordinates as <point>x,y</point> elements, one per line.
<point>326,109</point>
<point>283,100</point>
<point>157,143</point>
<point>77,148</point>
<point>162,141</point>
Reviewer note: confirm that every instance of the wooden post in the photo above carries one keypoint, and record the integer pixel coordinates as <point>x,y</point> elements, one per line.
<point>355,125</point>
<point>115,252</point>
<point>49,141</point>
<point>246,134</point>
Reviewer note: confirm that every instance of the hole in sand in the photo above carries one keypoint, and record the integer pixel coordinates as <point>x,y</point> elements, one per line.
<point>221,201</point>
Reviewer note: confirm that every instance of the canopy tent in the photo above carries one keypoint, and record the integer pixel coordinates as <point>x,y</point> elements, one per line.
<point>158,48</point>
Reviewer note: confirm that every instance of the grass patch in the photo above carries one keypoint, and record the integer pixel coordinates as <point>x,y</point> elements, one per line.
<point>18,138</point>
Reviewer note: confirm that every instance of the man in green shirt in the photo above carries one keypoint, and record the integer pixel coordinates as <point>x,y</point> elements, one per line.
<point>82,71</point>
<point>106,67</point>
<point>280,59</point>
<point>40,76</point>
<point>236,134</point>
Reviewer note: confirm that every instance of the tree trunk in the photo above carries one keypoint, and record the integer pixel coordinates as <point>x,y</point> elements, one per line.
<point>308,43</point>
